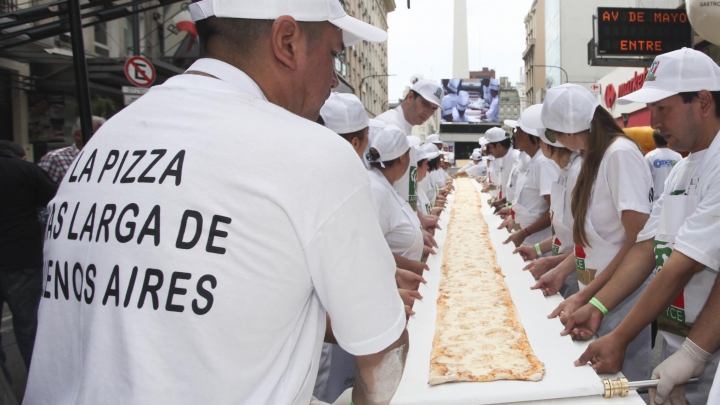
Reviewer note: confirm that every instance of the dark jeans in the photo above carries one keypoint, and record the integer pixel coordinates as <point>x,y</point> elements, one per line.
<point>21,289</point>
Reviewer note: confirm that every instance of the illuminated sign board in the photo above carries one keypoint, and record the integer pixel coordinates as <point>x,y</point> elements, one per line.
<point>642,31</point>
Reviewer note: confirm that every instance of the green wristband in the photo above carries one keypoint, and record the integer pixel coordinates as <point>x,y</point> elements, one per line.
<point>537,249</point>
<point>507,204</point>
<point>599,305</point>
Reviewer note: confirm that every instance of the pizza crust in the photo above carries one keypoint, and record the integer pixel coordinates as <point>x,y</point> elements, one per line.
<point>478,334</point>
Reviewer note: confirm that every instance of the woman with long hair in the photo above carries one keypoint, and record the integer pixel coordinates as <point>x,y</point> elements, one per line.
<point>560,244</point>
<point>611,202</point>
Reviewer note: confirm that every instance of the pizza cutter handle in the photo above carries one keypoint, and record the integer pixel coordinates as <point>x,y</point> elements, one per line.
<point>621,387</point>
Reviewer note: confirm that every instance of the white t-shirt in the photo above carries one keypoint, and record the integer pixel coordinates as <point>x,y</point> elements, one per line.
<point>697,238</point>
<point>174,280</point>
<point>541,174</point>
<point>398,222</point>
<point>437,177</point>
<point>478,170</point>
<point>494,167</point>
<point>397,117</point>
<point>424,205</point>
<point>466,167</point>
<point>426,186</point>
<point>506,169</point>
<point>623,183</point>
<point>661,162</point>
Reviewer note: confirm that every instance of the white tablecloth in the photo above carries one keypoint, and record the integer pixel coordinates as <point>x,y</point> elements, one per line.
<point>578,385</point>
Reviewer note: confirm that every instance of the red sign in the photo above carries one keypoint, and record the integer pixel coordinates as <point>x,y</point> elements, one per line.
<point>626,88</point>
<point>139,71</point>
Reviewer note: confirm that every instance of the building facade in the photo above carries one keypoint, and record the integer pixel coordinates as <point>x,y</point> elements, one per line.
<point>509,102</point>
<point>363,68</point>
<point>534,54</point>
<point>485,73</point>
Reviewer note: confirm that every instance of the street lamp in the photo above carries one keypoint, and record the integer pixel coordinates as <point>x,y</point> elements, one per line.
<point>369,77</point>
<point>558,67</point>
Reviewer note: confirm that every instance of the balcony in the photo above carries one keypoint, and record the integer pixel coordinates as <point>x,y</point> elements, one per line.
<point>530,46</point>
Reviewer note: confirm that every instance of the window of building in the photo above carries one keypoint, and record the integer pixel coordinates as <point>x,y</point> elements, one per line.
<point>101,39</point>
<point>128,35</point>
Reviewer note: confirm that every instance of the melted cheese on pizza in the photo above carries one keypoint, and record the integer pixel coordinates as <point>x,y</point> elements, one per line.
<point>478,334</point>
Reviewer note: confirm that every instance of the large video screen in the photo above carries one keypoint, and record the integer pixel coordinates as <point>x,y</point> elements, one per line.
<point>470,100</point>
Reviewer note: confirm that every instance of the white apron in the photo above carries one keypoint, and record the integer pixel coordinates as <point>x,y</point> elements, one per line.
<point>415,251</point>
<point>424,206</point>
<point>562,236</point>
<point>676,321</point>
<point>589,263</point>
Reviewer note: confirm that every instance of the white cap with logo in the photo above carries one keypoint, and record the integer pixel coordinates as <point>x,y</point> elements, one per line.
<point>344,113</point>
<point>532,119</point>
<point>568,109</point>
<point>430,90</point>
<point>447,105</point>
<point>354,30</point>
<point>676,72</point>
<point>495,135</point>
<point>390,143</point>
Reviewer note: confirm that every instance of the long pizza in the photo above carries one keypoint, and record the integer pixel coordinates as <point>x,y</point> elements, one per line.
<point>478,334</point>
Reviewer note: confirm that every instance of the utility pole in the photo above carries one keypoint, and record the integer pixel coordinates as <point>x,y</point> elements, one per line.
<point>81,69</point>
<point>136,30</point>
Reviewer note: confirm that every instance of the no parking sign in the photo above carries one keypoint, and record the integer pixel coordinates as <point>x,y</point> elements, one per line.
<point>139,71</point>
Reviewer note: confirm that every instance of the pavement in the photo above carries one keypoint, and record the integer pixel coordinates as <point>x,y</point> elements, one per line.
<point>11,394</point>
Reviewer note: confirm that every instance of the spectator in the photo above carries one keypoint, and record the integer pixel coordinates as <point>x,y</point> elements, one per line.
<point>25,188</point>
<point>56,162</point>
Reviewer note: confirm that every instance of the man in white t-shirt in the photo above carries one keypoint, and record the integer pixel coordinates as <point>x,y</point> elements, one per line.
<point>169,279</point>
<point>500,146</point>
<point>419,105</point>
<point>661,160</point>
<point>679,242</point>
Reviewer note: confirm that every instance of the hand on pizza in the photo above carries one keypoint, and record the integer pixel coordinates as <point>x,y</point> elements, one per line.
<point>528,253</point>
<point>584,323</point>
<point>605,354</point>
<point>409,296</point>
<point>407,280</point>
<point>568,307</point>
<point>516,238</point>
<point>550,282</point>
<point>437,211</point>
<point>429,222</point>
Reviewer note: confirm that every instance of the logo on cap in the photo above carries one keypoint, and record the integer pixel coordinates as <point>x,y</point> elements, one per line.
<point>651,73</point>
<point>438,92</point>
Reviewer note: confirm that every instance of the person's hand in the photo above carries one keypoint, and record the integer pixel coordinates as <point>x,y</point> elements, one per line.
<point>429,222</point>
<point>550,282</point>
<point>428,250</point>
<point>428,239</point>
<point>409,297</point>
<point>583,323</point>
<point>516,238</point>
<point>688,362</point>
<point>417,267</point>
<point>485,189</point>
<point>676,397</point>
<point>568,307</point>
<point>440,203</point>
<point>407,280</point>
<point>606,355</point>
<point>408,312</point>
<point>527,253</point>
<point>503,212</point>
<point>437,211</point>
<point>539,267</point>
<point>507,223</point>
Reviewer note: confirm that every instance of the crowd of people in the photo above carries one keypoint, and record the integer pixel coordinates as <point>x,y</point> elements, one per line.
<point>206,277</point>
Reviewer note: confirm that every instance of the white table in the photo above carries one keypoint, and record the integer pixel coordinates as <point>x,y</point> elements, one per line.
<point>577,385</point>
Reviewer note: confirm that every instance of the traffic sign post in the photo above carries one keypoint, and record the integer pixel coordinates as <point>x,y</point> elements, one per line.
<point>140,71</point>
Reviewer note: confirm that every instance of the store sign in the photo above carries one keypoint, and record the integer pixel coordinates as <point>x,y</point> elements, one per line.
<point>594,89</point>
<point>630,86</point>
<point>642,31</point>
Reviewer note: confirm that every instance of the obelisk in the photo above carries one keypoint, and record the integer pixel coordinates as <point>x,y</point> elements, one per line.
<point>461,65</point>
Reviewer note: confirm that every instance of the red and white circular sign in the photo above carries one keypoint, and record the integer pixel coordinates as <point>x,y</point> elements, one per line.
<point>139,71</point>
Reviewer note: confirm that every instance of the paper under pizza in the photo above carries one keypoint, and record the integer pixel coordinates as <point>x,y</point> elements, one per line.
<point>478,334</point>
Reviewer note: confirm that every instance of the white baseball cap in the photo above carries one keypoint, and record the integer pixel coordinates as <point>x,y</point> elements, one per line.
<point>568,109</point>
<point>476,155</point>
<point>511,123</point>
<point>390,143</point>
<point>447,105</point>
<point>344,113</point>
<point>482,142</point>
<point>431,150</point>
<point>420,153</point>
<point>449,157</point>
<point>495,135</point>
<point>454,84</point>
<point>354,30</point>
<point>676,72</point>
<point>435,138</point>
<point>430,90</point>
<point>463,100</point>
<point>413,141</point>
<point>532,118</point>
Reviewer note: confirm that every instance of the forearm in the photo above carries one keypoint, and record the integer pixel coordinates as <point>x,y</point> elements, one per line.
<point>567,266</point>
<point>630,275</point>
<point>402,262</point>
<point>661,292</point>
<point>387,366</point>
<point>706,329</point>
<point>555,261</point>
<point>546,246</point>
<point>541,224</point>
